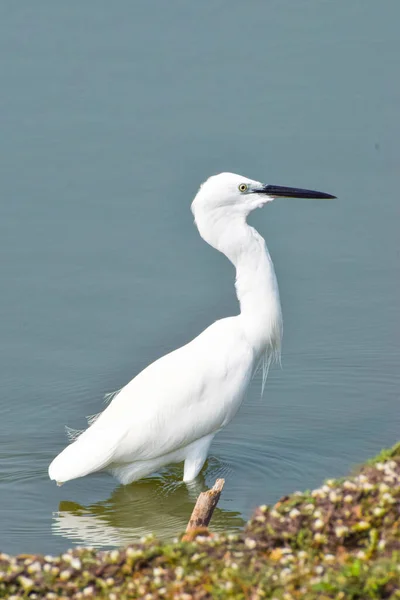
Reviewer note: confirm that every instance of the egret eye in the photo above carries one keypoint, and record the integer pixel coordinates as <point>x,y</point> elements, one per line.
<point>243,187</point>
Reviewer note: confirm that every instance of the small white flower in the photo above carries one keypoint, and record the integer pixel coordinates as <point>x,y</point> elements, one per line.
<point>318,524</point>
<point>341,530</point>
<point>179,572</point>
<point>349,485</point>
<point>288,558</point>
<point>26,583</point>
<point>66,557</point>
<point>379,511</point>
<point>386,497</point>
<point>285,573</point>
<point>76,564</point>
<point>389,479</point>
<point>330,558</point>
<point>228,585</point>
<point>34,567</point>
<point>367,487</point>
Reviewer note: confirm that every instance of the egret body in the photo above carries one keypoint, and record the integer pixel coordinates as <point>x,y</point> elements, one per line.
<point>171,411</point>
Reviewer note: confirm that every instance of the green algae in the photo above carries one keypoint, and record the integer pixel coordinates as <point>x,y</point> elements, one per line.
<point>340,541</point>
<point>385,454</point>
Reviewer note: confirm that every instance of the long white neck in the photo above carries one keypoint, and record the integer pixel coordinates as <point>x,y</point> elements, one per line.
<point>256,284</point>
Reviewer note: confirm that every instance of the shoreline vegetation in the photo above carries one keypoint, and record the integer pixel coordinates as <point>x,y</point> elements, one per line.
<point>339,541</point>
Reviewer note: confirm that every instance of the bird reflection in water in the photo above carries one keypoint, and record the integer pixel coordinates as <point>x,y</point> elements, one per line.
<point>160,504</point>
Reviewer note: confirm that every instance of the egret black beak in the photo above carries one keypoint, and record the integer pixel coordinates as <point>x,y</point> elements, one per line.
<point>278,191</point>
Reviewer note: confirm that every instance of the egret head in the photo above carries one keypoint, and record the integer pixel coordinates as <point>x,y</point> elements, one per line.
<point>233,194</point>
<point>224,201</point>
<point>229,193</point>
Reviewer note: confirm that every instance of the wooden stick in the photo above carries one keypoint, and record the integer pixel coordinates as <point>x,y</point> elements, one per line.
<point>204,507</point>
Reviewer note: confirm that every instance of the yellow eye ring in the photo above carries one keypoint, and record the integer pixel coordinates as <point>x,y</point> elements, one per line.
<point>243,187</point>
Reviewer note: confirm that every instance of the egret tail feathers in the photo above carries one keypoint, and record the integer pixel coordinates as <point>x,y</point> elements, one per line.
<point>73,434</point>
<point>90,452</point>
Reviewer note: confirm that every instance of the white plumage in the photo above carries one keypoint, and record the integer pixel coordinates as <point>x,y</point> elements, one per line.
<point>171,411</point>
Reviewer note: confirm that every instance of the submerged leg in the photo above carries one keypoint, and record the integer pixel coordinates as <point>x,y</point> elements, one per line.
<point>196,457</point>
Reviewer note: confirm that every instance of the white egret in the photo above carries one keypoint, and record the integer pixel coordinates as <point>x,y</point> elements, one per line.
<point>171,411</point>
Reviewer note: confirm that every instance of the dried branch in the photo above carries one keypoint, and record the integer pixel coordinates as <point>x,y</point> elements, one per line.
<point>204,508</point>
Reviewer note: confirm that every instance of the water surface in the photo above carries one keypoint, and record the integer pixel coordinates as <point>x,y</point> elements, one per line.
<point>111,116</point>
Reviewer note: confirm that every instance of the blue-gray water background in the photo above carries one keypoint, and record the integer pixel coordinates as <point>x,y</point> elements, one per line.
<point>111,115</point>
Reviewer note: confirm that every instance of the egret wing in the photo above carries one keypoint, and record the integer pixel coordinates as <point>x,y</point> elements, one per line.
<point>180,398</point>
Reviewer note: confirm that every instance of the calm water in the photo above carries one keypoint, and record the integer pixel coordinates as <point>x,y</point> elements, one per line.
<point>111,114</point>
